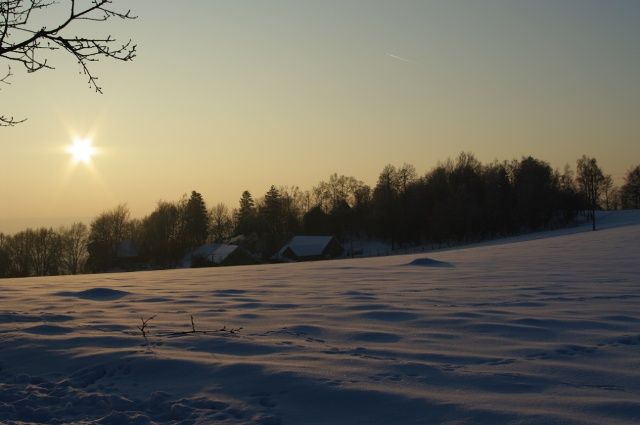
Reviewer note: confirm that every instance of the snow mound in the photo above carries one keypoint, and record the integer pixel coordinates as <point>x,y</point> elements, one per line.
<point>48,330</point>
<point>96,294</point>
<point>429,262</point>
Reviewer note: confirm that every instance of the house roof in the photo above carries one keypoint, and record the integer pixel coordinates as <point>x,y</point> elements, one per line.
<point>215,252</point>
<point>222,252</point>
<point>306,246</point>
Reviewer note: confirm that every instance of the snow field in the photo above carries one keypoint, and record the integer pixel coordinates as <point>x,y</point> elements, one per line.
<point>544,330</point>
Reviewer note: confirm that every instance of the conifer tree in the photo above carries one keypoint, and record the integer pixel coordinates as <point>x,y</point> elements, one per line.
<point>246,215</point>
<point>196,221</point>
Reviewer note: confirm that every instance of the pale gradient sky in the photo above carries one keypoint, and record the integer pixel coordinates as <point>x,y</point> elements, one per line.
<point>233,95</point>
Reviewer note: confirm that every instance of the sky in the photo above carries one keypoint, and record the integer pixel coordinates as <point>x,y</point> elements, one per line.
<point>232,95</point>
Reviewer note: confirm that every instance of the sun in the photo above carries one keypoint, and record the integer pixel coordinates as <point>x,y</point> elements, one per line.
<point>81,150</point>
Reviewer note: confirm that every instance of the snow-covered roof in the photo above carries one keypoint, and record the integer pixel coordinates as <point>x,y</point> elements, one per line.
<point>222,252</point>
<point>306,246</point>
<point>214,252</point>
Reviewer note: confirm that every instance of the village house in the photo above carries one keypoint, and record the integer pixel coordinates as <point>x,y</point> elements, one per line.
<point>308,248</point>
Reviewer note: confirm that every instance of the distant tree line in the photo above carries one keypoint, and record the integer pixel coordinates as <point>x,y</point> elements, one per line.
<point>44,252</point>
<point>458,201</point>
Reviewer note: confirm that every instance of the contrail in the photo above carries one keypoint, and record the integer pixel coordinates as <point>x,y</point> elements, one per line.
<point>400,58</point>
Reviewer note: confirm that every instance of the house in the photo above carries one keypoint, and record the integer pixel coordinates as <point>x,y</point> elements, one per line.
<point>307,248</point>
<point>216,254</point>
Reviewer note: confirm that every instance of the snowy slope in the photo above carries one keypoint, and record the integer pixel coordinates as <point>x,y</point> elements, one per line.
<point>545,330</point>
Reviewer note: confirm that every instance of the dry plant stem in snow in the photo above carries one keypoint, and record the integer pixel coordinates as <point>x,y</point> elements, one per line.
<point>144,330</point>
<point>223,330</point>
<point>143,327</point>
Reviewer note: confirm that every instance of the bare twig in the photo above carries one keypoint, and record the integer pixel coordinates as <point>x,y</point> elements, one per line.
<point>223,330</point>
<point>6,121</point>
<point>144,325</point>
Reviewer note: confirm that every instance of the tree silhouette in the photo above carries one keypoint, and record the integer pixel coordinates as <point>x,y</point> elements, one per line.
<point>221,223</point>
<point>45,252</point>
<point>25,41</point>
<point>608,193</point>
<point>338,189</point>
<point>19,251</point>
<point>316,221</point>
<point>271,218</point>
<point>631,189</point>
<point>499,200</point>
<point>196,221</point>
<point>4,255</point>
<point>568,199</point>
<point>591,181</point>
<point>246,215</point>
<point>385,196</point>
<point>73,251</point>
<point>161,239</point>
<point>534,186</point>
<point>107,231</point>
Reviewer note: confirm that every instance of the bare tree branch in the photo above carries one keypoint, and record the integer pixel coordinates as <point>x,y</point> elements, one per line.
<point>6,121</point>
<point>22,43</point>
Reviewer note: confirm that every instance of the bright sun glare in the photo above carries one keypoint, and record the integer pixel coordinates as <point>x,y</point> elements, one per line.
<point>81,151</point>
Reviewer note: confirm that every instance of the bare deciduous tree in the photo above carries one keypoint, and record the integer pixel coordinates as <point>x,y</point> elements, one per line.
<point>107,232</point>
<point>24,40</point>
<point>221,223</point>
<point>74,242</point>
<point>609,193</point>
<point>45,252</point>
<point>591,181</point>
<point>631,189</point>
<point>338,189</point>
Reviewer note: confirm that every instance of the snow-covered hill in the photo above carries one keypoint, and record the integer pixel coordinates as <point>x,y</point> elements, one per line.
<point>534,330</point>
